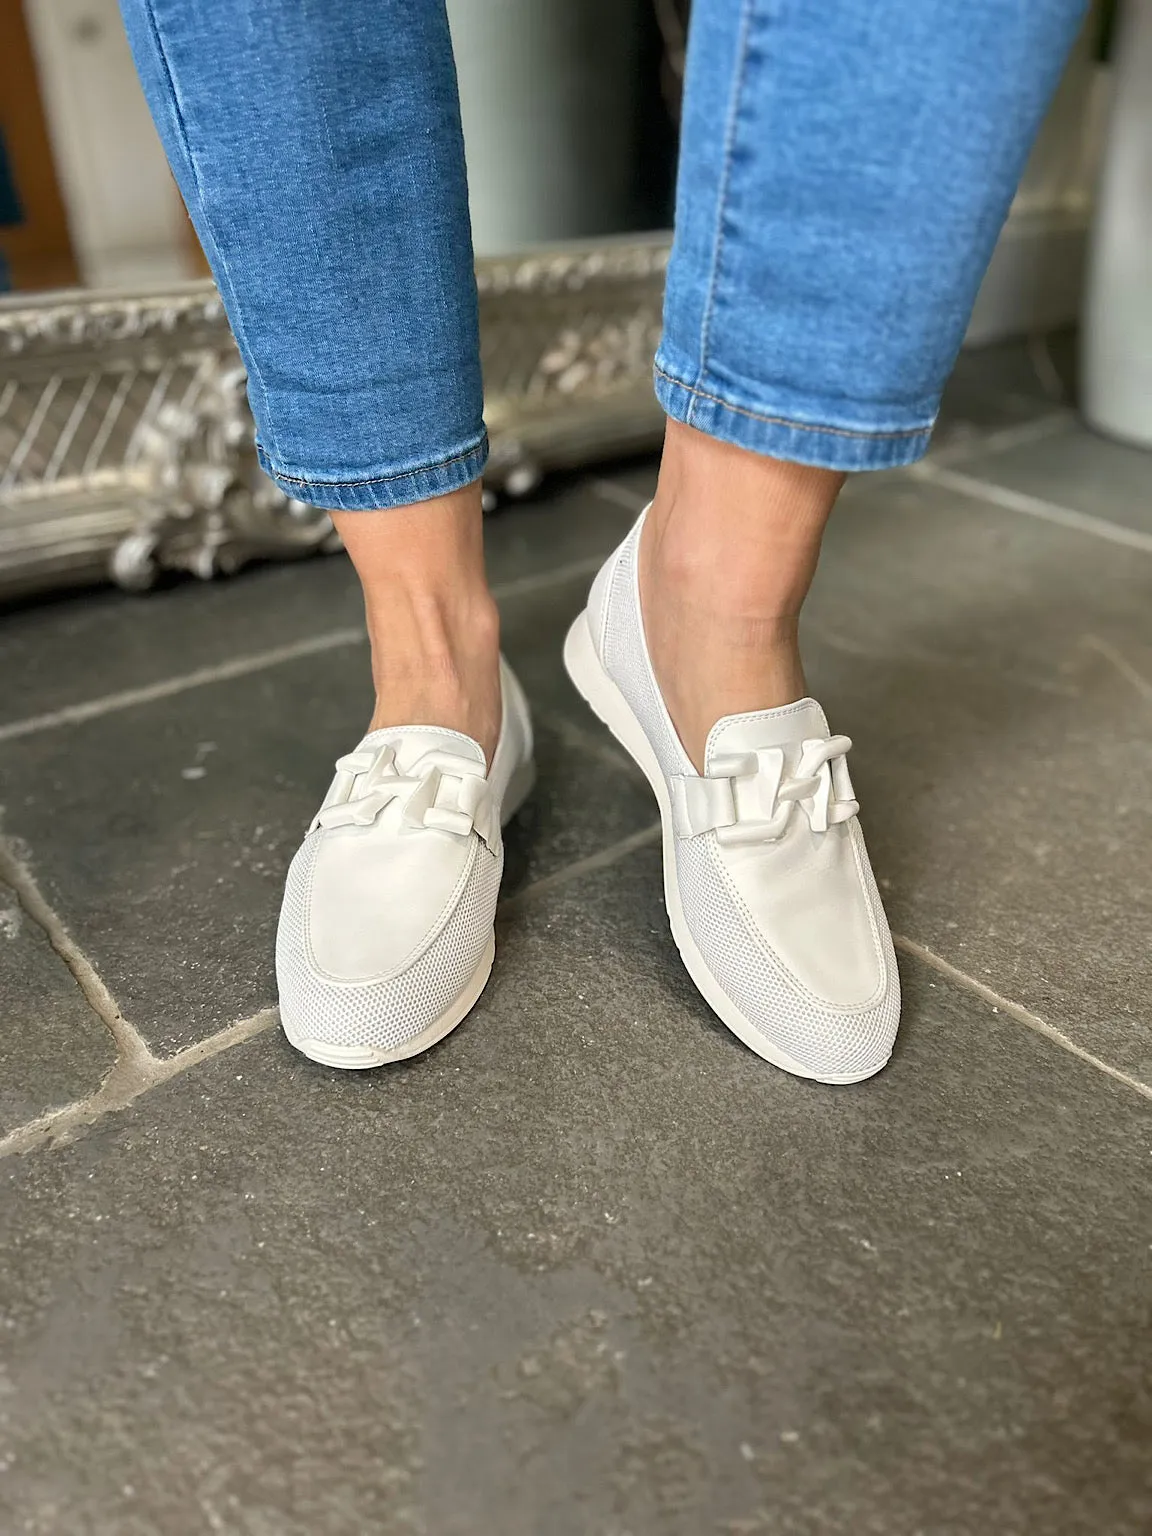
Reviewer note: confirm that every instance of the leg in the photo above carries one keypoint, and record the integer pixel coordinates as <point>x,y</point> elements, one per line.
<point>318,147</point>
<point>844,173</point>
<point>320,155</point>
<point>433,625</point>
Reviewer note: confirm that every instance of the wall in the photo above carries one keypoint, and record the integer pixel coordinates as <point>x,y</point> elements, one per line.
<point>127,222</point>
<point>39,248</point>
<point>549,93</point>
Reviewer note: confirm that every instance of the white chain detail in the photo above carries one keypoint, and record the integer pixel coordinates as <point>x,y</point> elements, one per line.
<point>441,791</point>
<point>745,797</point>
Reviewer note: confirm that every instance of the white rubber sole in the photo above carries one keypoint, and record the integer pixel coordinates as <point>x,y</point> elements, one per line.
<point>606,701</point>
<point>359,1058</point>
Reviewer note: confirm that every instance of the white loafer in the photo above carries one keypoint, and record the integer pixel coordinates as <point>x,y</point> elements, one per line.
<point>386,935</point>
<point>767,882</point>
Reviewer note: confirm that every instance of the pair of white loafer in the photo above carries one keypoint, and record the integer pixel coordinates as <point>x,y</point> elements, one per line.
<point>386,935</point>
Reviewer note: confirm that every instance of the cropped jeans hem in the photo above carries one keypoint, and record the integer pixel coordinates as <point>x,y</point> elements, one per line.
<point>386,488</point>
<point>803,432</point>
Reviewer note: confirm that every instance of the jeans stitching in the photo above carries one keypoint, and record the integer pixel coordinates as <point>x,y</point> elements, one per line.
<point>785,421</point>
<point>406,474</point>
<point>725,180</point>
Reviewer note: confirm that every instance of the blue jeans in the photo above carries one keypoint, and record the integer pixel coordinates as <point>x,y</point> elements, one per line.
<point>845,168</point>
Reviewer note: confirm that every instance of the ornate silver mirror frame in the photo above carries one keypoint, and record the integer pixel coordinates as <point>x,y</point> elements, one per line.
<point>126,442</point>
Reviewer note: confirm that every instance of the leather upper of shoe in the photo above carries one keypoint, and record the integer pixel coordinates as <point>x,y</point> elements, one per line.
<point>773,875</point>
<point>777,798</point>
<point>407,815</point>
<point>389,903</point>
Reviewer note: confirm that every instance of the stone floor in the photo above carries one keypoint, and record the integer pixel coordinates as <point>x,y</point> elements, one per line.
<point>590,1268</point>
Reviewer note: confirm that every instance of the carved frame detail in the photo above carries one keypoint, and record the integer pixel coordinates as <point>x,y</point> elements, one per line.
<point>126,443</point>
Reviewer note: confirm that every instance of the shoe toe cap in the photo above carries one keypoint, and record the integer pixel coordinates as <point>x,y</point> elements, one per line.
<point>779,1013</point>
<point>829,1045</point>
<point>368,1021</point>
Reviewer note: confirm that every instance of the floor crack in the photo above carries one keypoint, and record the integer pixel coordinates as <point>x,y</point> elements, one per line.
<point>1121,664</point>
<point>135,1069</point>
<point>126,1082</point>
<point>1032,506</point>
<point>604,859</point>
<point>1014,1010</point>
<point>130,1044</point>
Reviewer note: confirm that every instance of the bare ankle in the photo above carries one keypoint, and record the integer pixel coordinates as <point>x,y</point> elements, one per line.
<point>432,621</point>
<point>723,516</point>
<point>727,554</point>
<point>436,661</point>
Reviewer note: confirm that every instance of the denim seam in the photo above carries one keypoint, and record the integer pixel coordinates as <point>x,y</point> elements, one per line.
<point>725,180</point>
<point>234,317</point>
<point>404,474</point>
<point>785,421</point>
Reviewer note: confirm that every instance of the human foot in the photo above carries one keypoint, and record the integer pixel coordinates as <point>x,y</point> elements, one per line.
<point>386,934</point>
<point>766,878</point>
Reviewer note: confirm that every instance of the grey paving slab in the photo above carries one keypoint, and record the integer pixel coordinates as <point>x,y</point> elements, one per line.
<point>996,676</point>
<point>71,649</point>
<point>590,1268</point>
<point>162,833</point>
<point>633,482</point>
<point>1077,469</point>
<point>65,651</point>
<point>565,521</point>
<point>53,1048</point>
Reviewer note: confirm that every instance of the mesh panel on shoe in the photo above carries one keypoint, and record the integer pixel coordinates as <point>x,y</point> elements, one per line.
<point>382,1015</point>
<point>626,661</point>
<point>823,1039</point>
